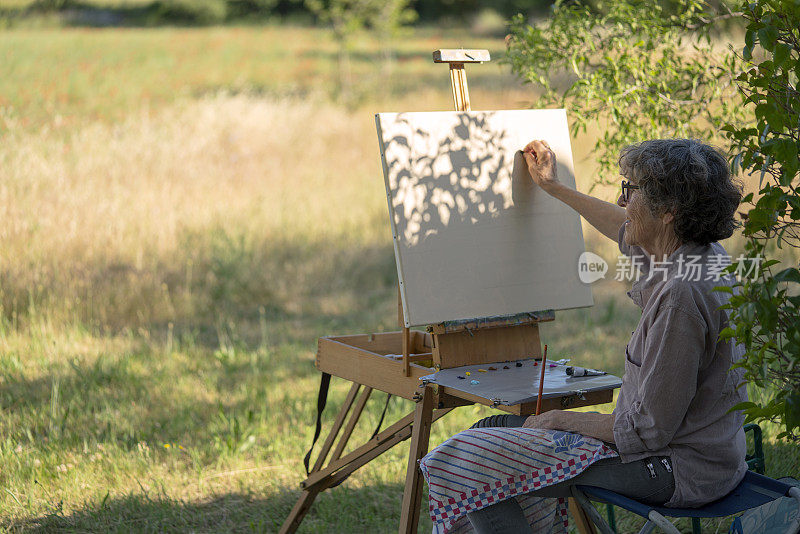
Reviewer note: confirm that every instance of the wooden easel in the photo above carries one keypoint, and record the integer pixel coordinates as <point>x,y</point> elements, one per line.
<point>393,362</point>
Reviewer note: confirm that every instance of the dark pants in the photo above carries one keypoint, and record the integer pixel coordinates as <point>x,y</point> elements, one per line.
<point>648,480</point>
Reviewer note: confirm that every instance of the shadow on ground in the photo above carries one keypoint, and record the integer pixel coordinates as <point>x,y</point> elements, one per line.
<point>364,507</point>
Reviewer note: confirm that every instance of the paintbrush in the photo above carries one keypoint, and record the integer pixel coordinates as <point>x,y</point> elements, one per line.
<point>541,382</point>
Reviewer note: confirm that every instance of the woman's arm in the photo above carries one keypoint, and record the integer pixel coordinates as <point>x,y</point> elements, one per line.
<point>604,216</point>
<point>594,425</point>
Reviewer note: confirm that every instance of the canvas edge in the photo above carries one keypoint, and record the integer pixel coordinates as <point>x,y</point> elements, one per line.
<point>395,244</point>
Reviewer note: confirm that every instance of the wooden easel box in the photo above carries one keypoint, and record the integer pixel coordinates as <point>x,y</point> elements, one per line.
<point>364,359</point>
<point>375,360</point>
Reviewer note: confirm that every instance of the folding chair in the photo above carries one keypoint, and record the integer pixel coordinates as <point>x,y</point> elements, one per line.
<point>754,490</point>
<point>755,462</point>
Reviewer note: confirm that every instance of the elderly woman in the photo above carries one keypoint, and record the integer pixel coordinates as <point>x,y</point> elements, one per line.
<point>678,443</point>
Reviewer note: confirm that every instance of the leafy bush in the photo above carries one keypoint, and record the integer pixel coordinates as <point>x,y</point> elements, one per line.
<point>201,12</point>
<point>637,68</point>
<point>463,10</point>
<point>488,22</point>
<point>643,71</point>
<point>250,8</point>
<point>766,315</point>
<point>50,5</point>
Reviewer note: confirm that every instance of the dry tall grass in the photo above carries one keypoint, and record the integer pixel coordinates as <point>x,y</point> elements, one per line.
<point>111,223</point>
<point>223,207</point>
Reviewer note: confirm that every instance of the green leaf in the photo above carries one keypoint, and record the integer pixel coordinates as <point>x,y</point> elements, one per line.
<point>792,410</point>
<point>745,405</point>
<point>727,333</point>
<point>768,37</point>
<point>788,275</point>
<point>749,44</point>
<point>770,113</point>
<point>781,54</point>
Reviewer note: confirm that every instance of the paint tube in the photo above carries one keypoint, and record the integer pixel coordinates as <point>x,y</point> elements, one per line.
<point>582,371</point>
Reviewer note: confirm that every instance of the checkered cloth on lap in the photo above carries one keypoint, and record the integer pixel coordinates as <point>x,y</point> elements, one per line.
<point>483,466</point>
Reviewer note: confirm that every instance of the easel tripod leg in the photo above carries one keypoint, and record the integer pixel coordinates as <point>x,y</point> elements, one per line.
<point>306,498</point>
<point>421,431</point>
<point>351,423</point>
<point>299,511</point>
<point>337,426</point>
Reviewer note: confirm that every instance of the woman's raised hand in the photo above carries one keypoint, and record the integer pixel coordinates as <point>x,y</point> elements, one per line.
<point>541,162</point>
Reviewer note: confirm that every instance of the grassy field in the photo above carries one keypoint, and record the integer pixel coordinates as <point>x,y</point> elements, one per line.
<point>184,213</point>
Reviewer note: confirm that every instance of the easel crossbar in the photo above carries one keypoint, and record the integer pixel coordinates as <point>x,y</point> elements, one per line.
<point>397,433</point>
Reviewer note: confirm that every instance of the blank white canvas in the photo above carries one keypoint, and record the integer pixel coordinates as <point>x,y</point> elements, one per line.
<point>474,236</point>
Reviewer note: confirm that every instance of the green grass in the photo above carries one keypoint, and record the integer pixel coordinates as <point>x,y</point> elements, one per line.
<point>101,74</point>
<point>184,213</point>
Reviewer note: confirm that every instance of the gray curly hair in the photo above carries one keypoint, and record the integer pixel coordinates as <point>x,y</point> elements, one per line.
<point>689,179</point>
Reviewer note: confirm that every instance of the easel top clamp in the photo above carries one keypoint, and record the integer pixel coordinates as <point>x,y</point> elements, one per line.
<point>480,340</point>
<point>456,58</point>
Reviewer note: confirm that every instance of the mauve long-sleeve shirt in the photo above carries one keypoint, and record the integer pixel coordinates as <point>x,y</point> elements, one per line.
<point>678,386</point>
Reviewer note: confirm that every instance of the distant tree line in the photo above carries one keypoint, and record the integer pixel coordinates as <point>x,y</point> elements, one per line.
<point>459,10</point>
<point>426,10</point>
<point>201,12</point>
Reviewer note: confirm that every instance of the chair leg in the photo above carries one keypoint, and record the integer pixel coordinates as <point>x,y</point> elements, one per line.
<point>662,522</point>
<point>795,494</point>
<point>612,519</point>
<point>696,528</point>
<point>590,510</point>
<point>756,461</point>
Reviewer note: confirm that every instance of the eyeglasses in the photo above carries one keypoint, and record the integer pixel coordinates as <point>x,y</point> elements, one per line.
<point>626,189</point>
